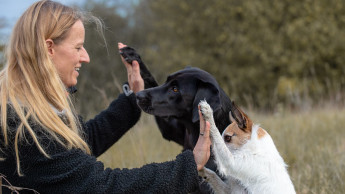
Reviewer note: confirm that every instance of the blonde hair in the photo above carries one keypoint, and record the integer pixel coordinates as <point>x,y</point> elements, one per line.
<point>30,84</point>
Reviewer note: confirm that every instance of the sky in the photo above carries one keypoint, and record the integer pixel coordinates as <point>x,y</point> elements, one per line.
<point>11,10</point>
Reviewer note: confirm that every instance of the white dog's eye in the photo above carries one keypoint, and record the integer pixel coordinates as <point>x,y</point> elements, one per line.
<point>175,89</point>
<point>227,138</point>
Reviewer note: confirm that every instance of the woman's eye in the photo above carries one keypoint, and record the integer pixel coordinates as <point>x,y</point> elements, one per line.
<point>227,138</point>
<point>175,89</point>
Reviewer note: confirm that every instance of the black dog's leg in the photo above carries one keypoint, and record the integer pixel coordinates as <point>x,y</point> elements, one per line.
<point>129,54</point>
<point>170,129</point>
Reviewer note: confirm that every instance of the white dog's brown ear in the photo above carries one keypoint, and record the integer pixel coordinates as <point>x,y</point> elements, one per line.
<point>232,119</point>
<point>242,120</point>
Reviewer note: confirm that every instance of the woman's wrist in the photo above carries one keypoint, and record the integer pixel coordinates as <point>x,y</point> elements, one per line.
<point>199,165</point>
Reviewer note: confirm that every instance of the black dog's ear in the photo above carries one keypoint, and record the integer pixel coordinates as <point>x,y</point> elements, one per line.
<point>208,91</point>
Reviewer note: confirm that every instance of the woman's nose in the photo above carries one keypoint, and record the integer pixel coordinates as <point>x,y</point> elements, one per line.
<point>84,58</point>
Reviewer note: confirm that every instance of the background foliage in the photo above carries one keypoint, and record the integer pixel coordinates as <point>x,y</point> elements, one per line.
<point>265,54</point>
<point>262,53</point>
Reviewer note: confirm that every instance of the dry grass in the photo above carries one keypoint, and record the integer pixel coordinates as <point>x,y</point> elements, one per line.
<point>141,145</point>
<point>312,144</point>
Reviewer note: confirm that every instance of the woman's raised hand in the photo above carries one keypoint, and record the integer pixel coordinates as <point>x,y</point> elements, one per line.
<point>135,81</point>
<point>202,148</point>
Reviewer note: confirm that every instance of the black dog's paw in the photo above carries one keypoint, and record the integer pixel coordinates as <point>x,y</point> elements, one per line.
<point>130,55</point>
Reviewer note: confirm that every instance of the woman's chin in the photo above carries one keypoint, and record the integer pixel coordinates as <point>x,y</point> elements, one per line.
<point>72,84</point>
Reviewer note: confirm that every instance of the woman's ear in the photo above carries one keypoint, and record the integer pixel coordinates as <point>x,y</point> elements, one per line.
<point>50,44</point>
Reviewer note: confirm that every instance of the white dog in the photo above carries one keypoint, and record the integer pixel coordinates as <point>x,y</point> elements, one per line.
<point>246,156</point>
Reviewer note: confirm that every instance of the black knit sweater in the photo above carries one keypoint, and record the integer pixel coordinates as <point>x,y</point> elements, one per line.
<point>73,171</point>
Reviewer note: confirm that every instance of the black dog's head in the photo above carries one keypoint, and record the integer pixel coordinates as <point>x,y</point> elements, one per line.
<point>180,95</point>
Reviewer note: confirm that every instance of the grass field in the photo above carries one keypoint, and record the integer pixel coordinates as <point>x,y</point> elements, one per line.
<point>311,142</point>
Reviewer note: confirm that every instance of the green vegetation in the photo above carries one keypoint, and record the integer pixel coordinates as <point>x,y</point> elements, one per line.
<point>262,53</point>
<point>312,143</point>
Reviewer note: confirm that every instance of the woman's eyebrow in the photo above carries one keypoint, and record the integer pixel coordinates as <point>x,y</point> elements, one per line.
<point>80,44</point>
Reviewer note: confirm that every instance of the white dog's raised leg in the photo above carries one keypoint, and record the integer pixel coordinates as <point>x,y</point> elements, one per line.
<point>223,157</point>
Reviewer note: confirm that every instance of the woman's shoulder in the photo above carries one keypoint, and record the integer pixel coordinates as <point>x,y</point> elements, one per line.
<point>14,121</point>
<point>14,124</point>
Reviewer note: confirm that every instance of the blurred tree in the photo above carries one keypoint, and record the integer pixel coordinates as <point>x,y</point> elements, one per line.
<point>250,45</point>
<point>261,52</point>
<point>100,81</point>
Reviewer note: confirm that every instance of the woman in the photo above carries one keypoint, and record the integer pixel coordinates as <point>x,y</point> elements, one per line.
<point>44,145</point>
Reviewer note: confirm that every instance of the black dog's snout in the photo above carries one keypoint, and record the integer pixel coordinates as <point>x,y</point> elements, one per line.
<point>141,95</point>
<point>143,98</point>
<point>144,101</point>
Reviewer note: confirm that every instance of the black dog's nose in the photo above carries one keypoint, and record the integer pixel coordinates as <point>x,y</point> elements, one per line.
<point>141,95</point>
<point>143,98</point>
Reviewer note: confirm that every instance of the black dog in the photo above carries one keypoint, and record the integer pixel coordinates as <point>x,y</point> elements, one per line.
<point>175,103</point>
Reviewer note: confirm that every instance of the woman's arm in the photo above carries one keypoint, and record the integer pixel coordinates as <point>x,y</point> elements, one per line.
<point>72,171</point>
<point>112,123</point>
<point>109,126</point>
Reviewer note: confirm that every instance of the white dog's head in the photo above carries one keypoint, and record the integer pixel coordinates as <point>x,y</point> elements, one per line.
<point>240,130</point>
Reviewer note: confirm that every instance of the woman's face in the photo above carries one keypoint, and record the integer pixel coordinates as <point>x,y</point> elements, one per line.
<point>69,54</point>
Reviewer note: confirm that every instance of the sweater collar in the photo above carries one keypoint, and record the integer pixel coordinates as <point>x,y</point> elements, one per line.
<point>58,112</point>
<point>72,90</point>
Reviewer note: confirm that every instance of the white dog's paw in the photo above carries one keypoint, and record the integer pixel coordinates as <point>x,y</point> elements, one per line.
<point>204,174</point>
<point>206,110</point>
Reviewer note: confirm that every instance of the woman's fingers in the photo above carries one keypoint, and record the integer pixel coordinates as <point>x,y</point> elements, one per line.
<point>202,121</point>
<point>136,79</point>
<point>207,130</point>
<point>202,148</point>
<point>121,45</point>
<point>128,66</point>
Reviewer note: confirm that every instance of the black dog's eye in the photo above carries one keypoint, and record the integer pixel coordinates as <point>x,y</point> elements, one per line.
<point>175,89</point>
<point>227,138</point>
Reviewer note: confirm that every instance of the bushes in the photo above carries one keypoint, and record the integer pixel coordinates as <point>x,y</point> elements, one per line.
<point>250,46</point>
<point>262,53</point>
